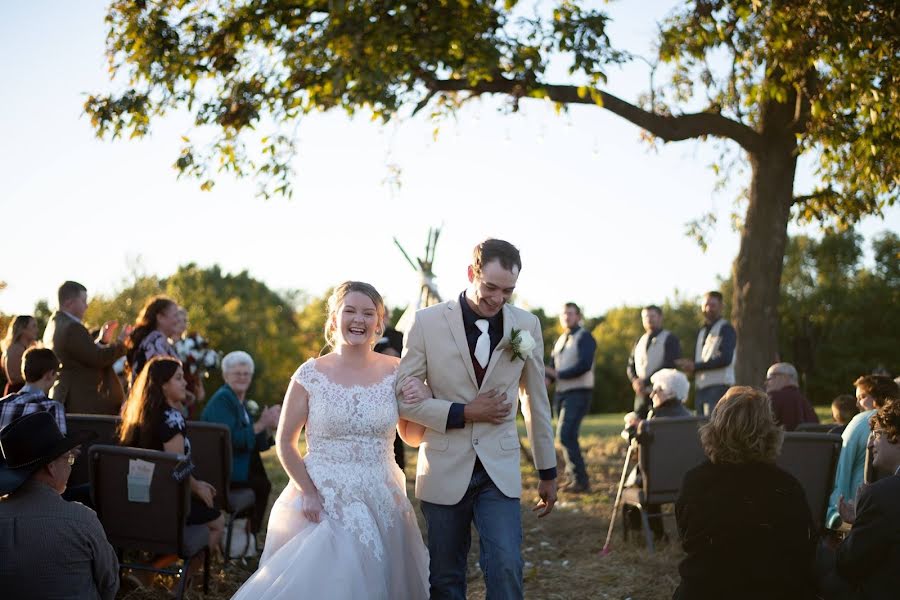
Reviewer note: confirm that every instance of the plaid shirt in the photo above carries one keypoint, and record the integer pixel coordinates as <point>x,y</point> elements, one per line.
<point>29,400</point>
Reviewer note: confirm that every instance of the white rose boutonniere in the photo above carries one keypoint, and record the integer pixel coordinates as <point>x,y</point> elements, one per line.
<point>520,344</point>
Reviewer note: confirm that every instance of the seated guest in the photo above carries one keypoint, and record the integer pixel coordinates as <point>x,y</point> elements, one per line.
<point>50,548</point>
<point>21,335</point>
<point>229,407</point>
<point>843,409</point>
<point>868,560</point>
<point>872,391</point>
<point>744,523</point>
<point>40,368</point>
<point>669,389</point>
<point>156,323</point>
<point>153,419</point>
<point>788,403</point>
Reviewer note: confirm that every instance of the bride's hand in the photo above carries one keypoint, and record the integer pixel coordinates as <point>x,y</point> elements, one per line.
<point>312,507</point>
<point>414,391</point>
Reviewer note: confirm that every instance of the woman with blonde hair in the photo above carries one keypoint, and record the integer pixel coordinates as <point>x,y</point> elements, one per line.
<point>744,523</point>
<point>343,527</point>
<point>21,335</point>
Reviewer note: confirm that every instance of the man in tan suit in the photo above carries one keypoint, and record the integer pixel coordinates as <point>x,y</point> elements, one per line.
<point>87,382</point>
<point>479,356</point>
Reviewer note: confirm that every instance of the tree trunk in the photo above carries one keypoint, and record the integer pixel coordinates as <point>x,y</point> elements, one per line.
<point>757,268</point>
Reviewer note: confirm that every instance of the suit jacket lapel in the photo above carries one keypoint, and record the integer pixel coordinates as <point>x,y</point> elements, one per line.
<point>508,324</point>
<point>458,330</point>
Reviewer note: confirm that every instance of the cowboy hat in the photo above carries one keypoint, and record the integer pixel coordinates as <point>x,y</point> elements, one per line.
<point>29,443</point>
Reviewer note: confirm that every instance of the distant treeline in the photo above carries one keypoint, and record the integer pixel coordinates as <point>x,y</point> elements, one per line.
<point>837,319</point>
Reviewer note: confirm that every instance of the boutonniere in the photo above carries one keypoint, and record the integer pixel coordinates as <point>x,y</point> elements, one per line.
<point>520,343</point>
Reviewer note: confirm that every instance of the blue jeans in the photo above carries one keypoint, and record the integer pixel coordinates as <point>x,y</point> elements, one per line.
<point>571,406</point>
<point>706,398</point>
<point>498,520</point>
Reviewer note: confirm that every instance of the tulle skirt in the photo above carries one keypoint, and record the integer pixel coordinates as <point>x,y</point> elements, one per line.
<point>330,560</point>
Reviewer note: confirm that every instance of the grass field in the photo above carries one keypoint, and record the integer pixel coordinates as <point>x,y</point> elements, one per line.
<point>562,551</point>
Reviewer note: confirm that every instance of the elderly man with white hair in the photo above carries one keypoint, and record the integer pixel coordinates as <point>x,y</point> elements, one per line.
<point>788,403</point>
<point>229,406</point>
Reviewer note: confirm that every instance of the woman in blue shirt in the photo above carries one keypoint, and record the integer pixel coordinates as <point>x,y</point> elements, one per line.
<point>872,391</point>
<point>229,407</point>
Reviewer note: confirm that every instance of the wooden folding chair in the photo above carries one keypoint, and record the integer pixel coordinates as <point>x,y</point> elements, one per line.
<point>211,453</point>
<point>669,447</point>
<point>155,524</point>
<point>812,458</point>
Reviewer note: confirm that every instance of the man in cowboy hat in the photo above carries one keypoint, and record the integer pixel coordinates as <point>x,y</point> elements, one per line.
<point>50,548</point>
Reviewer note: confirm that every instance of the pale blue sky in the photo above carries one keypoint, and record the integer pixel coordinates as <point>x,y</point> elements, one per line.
<point>599,217</point>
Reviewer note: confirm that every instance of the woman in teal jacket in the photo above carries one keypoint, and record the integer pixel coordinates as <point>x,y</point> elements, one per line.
<point>872,392</point>
<point>229,407</point>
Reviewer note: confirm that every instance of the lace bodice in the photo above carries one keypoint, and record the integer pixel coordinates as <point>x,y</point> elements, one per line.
<point>349,437</point>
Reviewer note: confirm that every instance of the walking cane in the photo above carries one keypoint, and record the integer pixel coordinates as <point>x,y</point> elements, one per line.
<point>612,519</point>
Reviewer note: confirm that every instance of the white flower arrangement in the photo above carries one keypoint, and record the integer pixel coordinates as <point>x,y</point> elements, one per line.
<point>196,355</point>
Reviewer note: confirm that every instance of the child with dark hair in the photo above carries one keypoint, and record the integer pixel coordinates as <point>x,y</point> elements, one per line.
<point>40,368</point>
<point>843,409</point>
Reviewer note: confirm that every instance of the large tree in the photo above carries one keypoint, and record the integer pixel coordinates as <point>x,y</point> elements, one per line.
<point>772,78</point>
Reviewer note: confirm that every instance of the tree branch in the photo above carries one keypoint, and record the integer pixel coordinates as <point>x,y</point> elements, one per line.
<point>668,128</point>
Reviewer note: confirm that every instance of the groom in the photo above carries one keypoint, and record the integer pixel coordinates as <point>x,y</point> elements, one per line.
<point>478,356</point>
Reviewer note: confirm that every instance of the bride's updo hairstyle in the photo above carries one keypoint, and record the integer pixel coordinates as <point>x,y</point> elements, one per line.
<point>337,298</point>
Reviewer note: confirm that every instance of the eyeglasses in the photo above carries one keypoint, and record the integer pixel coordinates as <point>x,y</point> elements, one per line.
<point>70,458</point>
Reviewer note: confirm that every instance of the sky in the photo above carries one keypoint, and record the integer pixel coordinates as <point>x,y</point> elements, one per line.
<point>597,214</point>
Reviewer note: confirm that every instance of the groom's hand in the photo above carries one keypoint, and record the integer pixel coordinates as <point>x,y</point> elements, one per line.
<point>547,492</point>
<point>489,407</point>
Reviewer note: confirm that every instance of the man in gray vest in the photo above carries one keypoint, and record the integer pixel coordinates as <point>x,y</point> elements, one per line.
<point>572,366</point>
<point>657,349</point>
<point>714,354</point>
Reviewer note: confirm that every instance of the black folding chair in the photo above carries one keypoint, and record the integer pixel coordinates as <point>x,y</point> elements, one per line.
<point>105,426</point>
<point>211,453</point>
<point>812,459</point>
<point>669,447</point>
<point>816,427</point>
<point>155,524</point>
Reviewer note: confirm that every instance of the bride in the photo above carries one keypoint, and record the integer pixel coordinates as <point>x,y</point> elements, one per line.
<point>343,527</point>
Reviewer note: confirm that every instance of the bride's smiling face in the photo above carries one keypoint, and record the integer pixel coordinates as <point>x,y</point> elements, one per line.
<point>357,319</point>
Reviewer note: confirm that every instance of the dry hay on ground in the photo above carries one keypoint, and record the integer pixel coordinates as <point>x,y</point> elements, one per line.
<point>562,551</point>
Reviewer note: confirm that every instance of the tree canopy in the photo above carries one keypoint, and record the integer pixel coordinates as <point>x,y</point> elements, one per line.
<point>775,77</point>
<point>242,65</point>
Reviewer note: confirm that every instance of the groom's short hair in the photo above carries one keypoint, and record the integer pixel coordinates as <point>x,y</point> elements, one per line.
<point>491,249</point>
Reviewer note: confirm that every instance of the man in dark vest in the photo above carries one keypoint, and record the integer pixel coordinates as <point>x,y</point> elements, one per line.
<point>572,366</point>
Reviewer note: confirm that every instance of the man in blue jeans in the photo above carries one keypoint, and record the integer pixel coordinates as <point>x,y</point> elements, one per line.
<point>714,354</point>
<point>572,366</point>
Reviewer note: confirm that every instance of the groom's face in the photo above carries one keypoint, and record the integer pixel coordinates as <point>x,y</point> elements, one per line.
<point>491,289</point>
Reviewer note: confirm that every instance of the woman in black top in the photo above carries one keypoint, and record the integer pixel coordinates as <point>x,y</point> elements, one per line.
<point>153,419</point>
<point>744,523</point>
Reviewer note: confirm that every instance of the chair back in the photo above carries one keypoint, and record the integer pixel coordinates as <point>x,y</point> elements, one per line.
<point>671,449</point>
<point>156,526</point>
<point>105,426</point>
<point>211,453</point>
<point>816,427</point>
<point>812,459</point>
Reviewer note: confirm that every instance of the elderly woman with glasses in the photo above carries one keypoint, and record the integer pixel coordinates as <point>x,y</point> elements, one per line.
<point>744,523</point>
<point>248,438</point>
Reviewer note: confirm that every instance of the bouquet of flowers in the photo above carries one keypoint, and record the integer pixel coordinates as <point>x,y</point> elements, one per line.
<point>196,355</point>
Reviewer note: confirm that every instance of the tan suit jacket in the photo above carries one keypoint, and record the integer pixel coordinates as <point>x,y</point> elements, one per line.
<point>436,351</point>
<point>87,383</point>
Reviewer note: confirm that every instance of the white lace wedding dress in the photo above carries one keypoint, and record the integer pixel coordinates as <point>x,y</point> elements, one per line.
<point>367,545</point>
